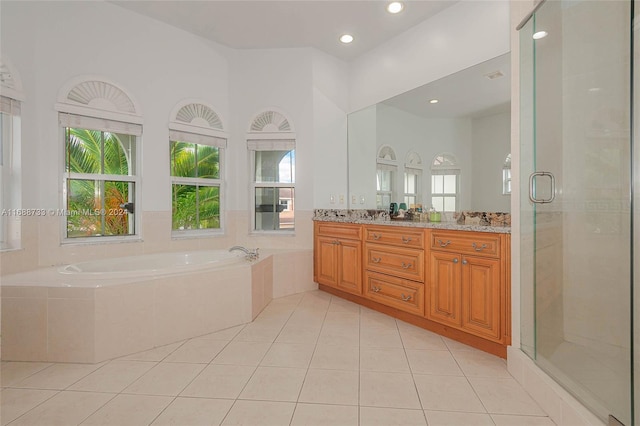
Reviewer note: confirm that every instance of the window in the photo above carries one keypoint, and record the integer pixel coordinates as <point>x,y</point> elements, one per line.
<point>101,161</point>
<point>386,170</point>
<point>100,182</point>
<point>9,178</point>
<point>412,178</point>
<point>506,176</point>
<point>197,146</point>
<point>271,145</point>
<point>445,182</point>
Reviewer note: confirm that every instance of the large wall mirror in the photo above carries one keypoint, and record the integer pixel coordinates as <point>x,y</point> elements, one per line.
<point>445,144</point>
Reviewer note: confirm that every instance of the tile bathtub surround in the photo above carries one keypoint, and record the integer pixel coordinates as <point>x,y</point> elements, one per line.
<point>291,366</point>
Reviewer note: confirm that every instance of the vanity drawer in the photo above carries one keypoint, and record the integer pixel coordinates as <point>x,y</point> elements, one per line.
<point>476,243</point>
<point>401,262</point>
<point>398,236</point>
<point>339,230</point>
<point>395,292</point>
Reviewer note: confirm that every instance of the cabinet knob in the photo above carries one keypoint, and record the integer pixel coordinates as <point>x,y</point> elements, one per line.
<point>375,289</point>
<point>375,236</point>
<point>405,298</point>
<point>464,261</point>
<point>336,242</point>
<point>478,248</point>
<point>376,259</point>
<point>406,240</point>
<point>455,260</point>
<point>406,265</point>
<point>443,243</point>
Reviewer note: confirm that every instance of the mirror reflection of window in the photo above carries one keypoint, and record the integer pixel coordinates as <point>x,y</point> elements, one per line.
<point>445,183</point>
<point>506,176</point>
<point>412,178</point>
<point>386,169</point>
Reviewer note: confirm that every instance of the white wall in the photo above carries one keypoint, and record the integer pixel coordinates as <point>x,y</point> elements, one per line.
<point>465,34</point>
<point>490,146</point>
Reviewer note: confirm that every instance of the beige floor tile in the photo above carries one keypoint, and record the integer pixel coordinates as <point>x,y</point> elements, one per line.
<point>388,360</point>
<point>298,334</point>
<point>349,320</point>
<point>155,354</point>
<point>64,409</point>
<point>57,376</point>
<point>375,416</point>
<point>325,415</point>
<point>260,413</point>
<point>255,332</point>
<point>129,410</point>
<point>481,364</point>
<point>341,305</point>
<point>372,319</point>
<point>330,387</point>
<point>220,381</point>
<point>194,411</point>
<point>242,353</point>
<point>16,402</point>
<point>274,384</point>
<point>440,363</point>
<point>339,336</point>
<point>510,420</point>
<point>12,372</point>
<point>113,377</point>
<point>294,355</point>
<point>455,346</point>
<point>415,338</point>
<point>391,390</point>
<point>330,357</point>
<point>166,378</point>
<point>447,393</point>
<point>226,334</point>
<point>452,418</point>
<point>380,338</point>
<point>197,351</point>
<point>504,396</point>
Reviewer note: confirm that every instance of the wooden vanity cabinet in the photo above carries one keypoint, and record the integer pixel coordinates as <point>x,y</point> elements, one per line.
<point>467,285</point>
<point>338,256</point>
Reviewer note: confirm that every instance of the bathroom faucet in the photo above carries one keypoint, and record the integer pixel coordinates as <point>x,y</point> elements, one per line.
<point>250,254</point>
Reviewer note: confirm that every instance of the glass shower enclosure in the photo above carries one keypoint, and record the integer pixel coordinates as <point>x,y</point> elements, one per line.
<point>577,88</point>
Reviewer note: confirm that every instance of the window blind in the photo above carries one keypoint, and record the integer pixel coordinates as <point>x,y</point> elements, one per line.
<point>180,136</point>
<point>103,124</point>
<point>271,144</point>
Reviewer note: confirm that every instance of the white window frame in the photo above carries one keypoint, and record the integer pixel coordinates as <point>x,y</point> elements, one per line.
<point>446,164</point>
<point>386,161</point>
<point>254,146</point>
<point>10,194</point>
<point>413,166</point>
<point>506,176</point>
<point>219,142</point>
<point>91,123</point>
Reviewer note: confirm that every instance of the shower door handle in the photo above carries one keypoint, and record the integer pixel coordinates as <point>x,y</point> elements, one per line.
<point>532,179</point>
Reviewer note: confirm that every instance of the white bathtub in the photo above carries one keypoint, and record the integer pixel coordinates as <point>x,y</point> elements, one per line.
<point>98,310</point>
<point>149,265</point>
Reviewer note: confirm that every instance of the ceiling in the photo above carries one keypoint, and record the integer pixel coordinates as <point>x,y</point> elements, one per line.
<point>267,24</point>
<point>467,93</point>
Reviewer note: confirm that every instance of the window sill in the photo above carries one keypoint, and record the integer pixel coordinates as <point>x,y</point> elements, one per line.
<point>186,235</point>
<point>85,241</point>
<point>11,249</point>
<point>255,233</point>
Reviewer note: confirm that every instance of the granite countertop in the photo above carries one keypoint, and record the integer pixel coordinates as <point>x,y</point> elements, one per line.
<point>411,224</point>
<point>371,218</point>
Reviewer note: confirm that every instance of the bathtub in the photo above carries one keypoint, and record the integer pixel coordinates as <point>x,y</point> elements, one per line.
<point>97,310</point>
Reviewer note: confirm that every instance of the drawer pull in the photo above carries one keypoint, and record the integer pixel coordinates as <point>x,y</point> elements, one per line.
<point>406,265</point>
<point>443,243</point>
<point>464,261</point>
<point>375,289</point>
<point>455,260</point>
<point>375,236</point>
<point>406,240</point>
<point>476,248</point>
<point>376,259</point>
<point>336,242</point>
<point>405,298</point>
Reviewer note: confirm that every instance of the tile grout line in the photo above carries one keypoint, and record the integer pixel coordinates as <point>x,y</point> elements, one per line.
<point>415,385</point>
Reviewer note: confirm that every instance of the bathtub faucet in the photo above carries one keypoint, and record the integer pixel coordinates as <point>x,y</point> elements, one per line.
<point>250,254</point>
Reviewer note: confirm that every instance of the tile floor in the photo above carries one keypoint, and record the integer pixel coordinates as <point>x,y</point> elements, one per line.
<point>308,359</point>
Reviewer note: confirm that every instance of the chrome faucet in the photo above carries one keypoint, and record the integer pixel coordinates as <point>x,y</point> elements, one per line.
<point>250,254</point>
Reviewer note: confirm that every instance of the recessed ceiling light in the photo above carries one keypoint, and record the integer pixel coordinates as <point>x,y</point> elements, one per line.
<point>395,7</point>
<point>540,34</point>
<point>433,101</point>
<point>346,38</point>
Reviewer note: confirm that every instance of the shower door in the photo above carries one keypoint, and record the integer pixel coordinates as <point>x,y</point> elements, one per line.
<point>576,220</point>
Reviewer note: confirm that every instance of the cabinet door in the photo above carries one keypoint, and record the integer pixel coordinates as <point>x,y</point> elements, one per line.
<point>326,261</point>
<point>481,296</point>
<point>444,288</point>
<point>350,266</point>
